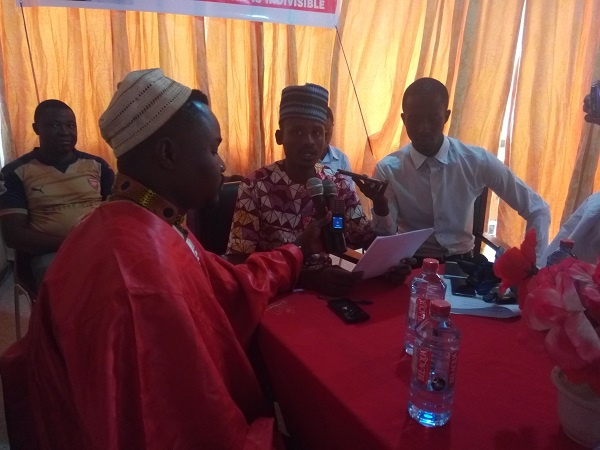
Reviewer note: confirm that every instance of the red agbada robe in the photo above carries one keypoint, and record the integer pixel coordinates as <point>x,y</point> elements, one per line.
<point>135,344</point>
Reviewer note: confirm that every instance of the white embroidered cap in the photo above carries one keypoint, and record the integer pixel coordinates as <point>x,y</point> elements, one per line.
<point>143,103</point>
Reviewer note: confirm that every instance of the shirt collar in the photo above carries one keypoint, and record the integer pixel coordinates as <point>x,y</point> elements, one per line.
<point>442,154</point>
<point>332,153</point>
<point>321,171</point>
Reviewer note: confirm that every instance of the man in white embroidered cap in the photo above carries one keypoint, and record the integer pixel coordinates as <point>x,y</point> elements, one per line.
<point>139,336</point>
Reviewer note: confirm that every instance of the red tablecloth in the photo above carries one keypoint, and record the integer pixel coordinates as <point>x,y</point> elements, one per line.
<point>346,386</point>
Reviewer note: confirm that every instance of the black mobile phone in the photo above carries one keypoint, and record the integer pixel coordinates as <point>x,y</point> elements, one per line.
<point>459,286</point>
<point>359,176</point>
<point>347,310</point>
<point>453,270</point>
<point>595,99</point>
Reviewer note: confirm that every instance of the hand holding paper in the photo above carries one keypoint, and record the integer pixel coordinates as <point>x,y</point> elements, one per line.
<point>386,252</point>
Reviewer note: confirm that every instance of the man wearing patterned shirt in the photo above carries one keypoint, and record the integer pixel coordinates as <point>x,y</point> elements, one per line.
<point>165,325</point>
<point>48,190</point>
<point>273,205</point>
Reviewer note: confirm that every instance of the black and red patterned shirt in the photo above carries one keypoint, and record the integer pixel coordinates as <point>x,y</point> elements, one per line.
<point>272,210</point>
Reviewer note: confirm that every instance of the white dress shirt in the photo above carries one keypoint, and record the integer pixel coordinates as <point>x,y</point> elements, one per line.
<point>584,228</point>
<point>439,192</point>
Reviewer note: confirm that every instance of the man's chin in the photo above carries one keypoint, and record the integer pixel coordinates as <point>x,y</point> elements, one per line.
<point>213,203</point>
<point>308,164</point>
<point>63,149</point>
<point>427,149</point>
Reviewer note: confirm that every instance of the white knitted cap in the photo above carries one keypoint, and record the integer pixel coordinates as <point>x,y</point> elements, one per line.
<point>143,103</point>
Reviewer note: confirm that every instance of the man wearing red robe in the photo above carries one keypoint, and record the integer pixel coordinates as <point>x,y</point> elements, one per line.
<point>138,339</point>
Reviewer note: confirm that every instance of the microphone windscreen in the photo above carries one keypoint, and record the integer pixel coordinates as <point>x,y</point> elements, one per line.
<point>329,188</point>
<point>314,186</point>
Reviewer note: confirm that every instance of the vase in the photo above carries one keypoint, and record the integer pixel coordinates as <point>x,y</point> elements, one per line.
<point>578,410</point>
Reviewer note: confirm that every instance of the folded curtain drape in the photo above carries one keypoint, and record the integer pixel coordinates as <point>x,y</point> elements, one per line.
<point>79,56</point>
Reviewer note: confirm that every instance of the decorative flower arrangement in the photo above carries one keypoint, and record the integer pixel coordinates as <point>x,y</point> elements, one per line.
<point>561,305</point>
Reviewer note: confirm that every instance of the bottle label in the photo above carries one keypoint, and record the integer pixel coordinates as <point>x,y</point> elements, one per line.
<point>443,378</point>
<point>452,368</point>
<point>422,309</point>
<point>423,361</point>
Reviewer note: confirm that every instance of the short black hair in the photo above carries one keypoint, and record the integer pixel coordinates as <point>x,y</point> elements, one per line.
<point>47,105</point>
<point>427,86</point>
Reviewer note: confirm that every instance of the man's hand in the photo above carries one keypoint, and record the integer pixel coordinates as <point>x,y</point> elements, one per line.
<point>19,235</point>
<point>310,240</point>
<point>587,109</point>
<point>399,273</point>
<point>375,191</point>
<point>332,281</point>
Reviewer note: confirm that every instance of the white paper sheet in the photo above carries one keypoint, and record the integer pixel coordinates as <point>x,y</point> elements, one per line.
<point>386,252</point>
<point>475,306</point>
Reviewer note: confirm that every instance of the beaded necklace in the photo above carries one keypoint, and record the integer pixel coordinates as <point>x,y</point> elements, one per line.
<point>126,188</point>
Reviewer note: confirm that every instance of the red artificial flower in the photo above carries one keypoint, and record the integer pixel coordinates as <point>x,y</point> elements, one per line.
<point>590,296</point>
<point>517,265</point>
<point>561,349</point>
<point>561,304</point>
<point>543,309</point>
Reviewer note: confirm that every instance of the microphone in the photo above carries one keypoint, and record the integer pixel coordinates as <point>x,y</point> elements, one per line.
<point>314,186</point>
<point>337,206</point>
<point>329,189</point>
<point>334,204</point>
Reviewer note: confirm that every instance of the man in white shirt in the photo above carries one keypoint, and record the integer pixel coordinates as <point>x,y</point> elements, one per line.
<point>332,157</point>
<point>434,180</point>
<point>583,227</point>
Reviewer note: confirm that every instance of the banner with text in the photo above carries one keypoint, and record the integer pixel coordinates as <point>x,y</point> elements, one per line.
<point>319,13</point>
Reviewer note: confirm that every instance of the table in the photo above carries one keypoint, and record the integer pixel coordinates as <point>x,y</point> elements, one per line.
<point>346,386</point>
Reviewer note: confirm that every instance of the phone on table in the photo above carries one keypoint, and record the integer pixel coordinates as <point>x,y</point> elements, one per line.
<point>595,99</point>
<point>348,310</point>
<point>460,287</point>
<point>453,270</point>
<point>359,176</point>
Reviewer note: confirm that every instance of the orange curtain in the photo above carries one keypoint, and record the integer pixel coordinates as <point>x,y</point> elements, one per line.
<point>461,43</point>
<point>560,49</point>
<point>586,174</point>
<point>80,55</point>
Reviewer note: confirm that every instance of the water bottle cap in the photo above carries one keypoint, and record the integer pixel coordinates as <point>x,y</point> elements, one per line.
<point>440,308</point>
<point>431,264</point>
<point>567,243</point>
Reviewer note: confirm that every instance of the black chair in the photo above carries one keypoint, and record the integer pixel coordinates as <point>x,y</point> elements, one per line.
<point>211,226</point>
<point>480,216</point>
<point>25,285</point>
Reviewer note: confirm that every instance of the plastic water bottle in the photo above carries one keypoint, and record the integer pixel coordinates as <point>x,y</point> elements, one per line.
<point>564,251</point>
<point>429,286</point>
<point>434,365</point>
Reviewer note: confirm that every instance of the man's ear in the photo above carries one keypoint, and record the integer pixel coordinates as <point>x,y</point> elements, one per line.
<point>447,115</point>
<point>279,137</point>
<point>166,151</point>
<point>35,128</point>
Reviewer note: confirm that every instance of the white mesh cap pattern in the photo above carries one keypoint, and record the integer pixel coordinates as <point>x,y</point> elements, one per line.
<point>143,103</point>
